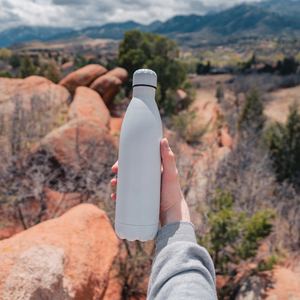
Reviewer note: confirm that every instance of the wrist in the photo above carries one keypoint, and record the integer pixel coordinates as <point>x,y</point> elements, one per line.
<point>178,212</point>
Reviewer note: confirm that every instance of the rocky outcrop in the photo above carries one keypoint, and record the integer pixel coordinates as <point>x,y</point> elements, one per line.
<point>225,140</point>
<point>78,143</point>
<point>65,258</point>
<point>109,85</point>
<point>115,125</point>
<point>82,77</point>
<point>33,92</point>
<point>88,105</point>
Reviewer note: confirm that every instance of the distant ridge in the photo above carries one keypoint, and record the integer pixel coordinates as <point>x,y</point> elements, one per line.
<point>262,19</point>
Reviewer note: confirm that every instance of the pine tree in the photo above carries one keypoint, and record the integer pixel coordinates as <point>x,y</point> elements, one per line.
<point>284,145</point>
<point>27,67</point>
<point>252,118</point>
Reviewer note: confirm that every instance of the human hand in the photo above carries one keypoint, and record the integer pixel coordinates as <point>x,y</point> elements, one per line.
<point>173,206</point>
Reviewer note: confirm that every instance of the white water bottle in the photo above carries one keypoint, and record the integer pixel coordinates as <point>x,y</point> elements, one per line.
<point>139,171</point>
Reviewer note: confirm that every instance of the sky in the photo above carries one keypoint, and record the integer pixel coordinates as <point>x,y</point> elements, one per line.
<point>78,14</point>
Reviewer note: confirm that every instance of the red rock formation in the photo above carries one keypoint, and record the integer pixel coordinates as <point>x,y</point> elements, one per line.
<point>78,142</point>
<point>88,105</point>
<point>115,125</point>
<point>65,258</point>
<point>42,91</point>
<point>82,77</point>
<point>109,85</point>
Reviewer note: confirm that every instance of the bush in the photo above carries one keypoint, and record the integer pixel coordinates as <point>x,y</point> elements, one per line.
<point>184,124</point>
<point>5,54</point>
<point>6,74</point>
<point>233,236</point>
<point>52,72</point>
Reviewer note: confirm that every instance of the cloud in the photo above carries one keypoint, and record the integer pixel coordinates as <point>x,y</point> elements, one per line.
<point>82,13</point>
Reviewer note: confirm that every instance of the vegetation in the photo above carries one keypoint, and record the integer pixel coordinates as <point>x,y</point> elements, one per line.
<point>52,72</point>
<point>15,60</point>
<point>284,145</point>
<point>233,236</point>
<point>252,117</point>
<point>6,74</point>
<point>27,67</point>
<point>144,50</point>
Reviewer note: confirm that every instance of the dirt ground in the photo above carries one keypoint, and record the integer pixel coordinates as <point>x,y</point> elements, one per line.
<point>276,106</point>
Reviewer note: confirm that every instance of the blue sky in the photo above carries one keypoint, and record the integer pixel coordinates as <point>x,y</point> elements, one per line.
<point>82,13</point>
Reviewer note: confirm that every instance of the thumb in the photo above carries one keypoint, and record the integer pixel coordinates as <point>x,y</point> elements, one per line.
<point>169,167</point>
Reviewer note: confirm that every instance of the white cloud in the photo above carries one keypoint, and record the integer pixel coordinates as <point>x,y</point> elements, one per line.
<point>82,13</point>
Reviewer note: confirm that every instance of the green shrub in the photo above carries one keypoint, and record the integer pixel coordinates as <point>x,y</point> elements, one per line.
<point>269,263</point>
<point>233,236</point>
<point>27,67</point>
<point>6,74</point>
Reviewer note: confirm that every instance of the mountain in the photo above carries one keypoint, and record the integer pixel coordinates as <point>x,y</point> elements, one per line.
<point>237,22</point>
<point>109,31</point>
<point>27,33</point>
<point>283,8</point>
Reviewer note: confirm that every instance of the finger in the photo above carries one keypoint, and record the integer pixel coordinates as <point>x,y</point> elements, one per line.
<point>114,196</point>
<point>114,181</point>
<point>115,167</point>
<point>169,166</point>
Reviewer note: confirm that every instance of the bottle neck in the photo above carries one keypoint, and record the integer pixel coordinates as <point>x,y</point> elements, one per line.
<point>144,92</point>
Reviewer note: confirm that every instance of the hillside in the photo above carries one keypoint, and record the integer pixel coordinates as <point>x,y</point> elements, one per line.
<point>266,19</point>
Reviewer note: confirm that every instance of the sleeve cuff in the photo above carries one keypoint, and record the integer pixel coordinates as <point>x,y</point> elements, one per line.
<point>175,232</point>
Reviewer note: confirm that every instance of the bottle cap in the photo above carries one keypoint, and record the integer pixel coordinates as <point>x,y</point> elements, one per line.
<point>144,77</point>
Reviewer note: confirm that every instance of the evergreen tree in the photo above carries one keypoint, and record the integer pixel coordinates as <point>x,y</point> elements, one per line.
<point>252,118</point>
<point>27,67</point>
<point>15,60</point>
<point>284,145</point>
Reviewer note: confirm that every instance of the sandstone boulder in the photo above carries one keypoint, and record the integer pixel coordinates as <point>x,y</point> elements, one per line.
<point>88,105</point>
<point>225,140</point>
<point>115,125</point>
<point>65,258</point>
<point>79,143</point>
<point>107,86</point>
<point>120,73</point>
<point>82,77</point>
<point>33,92</point>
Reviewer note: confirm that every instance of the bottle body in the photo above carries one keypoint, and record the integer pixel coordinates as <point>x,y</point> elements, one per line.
<point>139,172</point>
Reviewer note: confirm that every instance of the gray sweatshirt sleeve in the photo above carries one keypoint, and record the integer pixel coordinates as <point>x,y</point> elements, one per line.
<point>181,268</point>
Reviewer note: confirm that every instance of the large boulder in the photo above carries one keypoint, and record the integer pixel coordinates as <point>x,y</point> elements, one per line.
<point>33,92</point>
<point>82,77</point>
<point>79,143</point>
<point>65,258</point>
<point>88,105</point>
<point>109,85</point>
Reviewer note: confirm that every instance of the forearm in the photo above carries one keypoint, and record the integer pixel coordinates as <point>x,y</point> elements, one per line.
<point>181,269</point>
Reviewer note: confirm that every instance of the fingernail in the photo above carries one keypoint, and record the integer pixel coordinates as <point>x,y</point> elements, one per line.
<point>167,144</point>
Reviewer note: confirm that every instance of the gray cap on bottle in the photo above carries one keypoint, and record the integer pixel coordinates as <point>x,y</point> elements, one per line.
<point>144,77</point>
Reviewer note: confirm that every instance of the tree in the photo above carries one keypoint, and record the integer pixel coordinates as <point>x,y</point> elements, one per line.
<point>52,72</point>
<point>252,117</point>
<point>27,67</point>
<point>5,54</point>
<point>146,50</point>
<point>15,60</point>
<point>284,145</point>
<point>220,93</point>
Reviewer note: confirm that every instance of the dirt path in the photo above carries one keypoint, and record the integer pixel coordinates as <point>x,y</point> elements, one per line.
<point>278,108</point>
